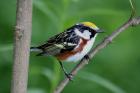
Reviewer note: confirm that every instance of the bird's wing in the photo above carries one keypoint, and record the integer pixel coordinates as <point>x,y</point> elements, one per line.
<point>65,41</point>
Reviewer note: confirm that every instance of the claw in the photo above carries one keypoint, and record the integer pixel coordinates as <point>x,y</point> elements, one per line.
<point>87,58</point>
<point>69,76</point>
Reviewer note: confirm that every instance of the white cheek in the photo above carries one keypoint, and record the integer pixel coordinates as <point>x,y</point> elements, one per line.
<point>86,34</point>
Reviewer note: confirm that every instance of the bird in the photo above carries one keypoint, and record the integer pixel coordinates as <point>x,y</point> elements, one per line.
<point>71,45</point>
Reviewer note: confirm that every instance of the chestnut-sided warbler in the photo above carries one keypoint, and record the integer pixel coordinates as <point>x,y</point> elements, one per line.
<point>71,45</point>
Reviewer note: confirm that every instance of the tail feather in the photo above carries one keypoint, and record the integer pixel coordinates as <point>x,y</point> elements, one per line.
<point>35,49</point>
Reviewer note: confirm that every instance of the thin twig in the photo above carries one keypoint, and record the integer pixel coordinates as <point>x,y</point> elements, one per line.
<point>131,22</point>
<point>103,44</point>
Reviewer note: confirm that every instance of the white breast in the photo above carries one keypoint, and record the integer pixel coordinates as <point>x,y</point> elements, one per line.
<point>86,49</point>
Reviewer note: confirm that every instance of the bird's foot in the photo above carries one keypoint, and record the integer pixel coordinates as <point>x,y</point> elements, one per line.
<point>69,76</point>
<point>87,58</point>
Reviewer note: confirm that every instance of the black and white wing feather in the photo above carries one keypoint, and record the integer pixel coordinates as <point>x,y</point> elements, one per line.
<point>65,41</point>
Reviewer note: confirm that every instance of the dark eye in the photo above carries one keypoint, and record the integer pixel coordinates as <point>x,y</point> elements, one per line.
<point>83,28</point>
<point>93,32</point>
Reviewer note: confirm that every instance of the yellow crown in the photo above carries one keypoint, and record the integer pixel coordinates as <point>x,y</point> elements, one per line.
<point>89,24</point>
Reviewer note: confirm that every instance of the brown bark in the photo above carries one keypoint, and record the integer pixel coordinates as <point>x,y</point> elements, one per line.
<point>21,46</point>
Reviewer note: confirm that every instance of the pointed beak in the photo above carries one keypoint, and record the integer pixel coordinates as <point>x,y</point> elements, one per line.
<point>100,31</point>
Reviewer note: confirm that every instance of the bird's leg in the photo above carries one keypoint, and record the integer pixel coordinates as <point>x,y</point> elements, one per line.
<point>87,58</point>
<point>69,76</point>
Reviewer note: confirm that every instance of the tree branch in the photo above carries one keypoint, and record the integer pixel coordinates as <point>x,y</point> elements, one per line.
<point>21,46</point>
<point>103,44</point>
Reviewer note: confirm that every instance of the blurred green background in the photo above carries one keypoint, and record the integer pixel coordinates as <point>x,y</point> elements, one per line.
<point>116,69</point>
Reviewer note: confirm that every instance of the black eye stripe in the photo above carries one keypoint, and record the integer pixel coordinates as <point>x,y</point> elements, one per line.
<point>82,28</point>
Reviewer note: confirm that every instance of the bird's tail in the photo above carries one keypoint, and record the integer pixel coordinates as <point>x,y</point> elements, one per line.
<point>35,49</point>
